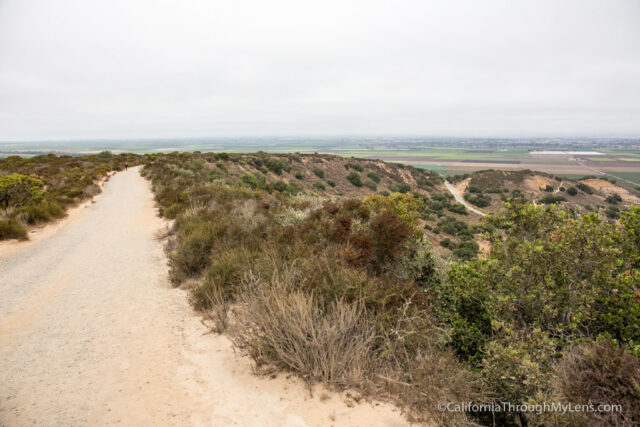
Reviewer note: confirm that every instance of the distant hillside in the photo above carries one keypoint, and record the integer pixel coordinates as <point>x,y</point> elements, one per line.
<point>322,174</point>
<point>487,189</point>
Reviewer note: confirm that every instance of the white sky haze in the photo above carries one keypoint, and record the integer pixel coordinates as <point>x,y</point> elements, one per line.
<point>72,69</point>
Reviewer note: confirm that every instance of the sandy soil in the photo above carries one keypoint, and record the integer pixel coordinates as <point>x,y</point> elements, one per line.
<point>608,189</point>
<point>91,334</point>
<point>536,182</point>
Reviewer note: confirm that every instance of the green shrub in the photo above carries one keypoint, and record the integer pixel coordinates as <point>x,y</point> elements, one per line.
<point>612,212</point>
<point>477,200</point>
<point>613,199</point>
<point>354,178</point>
<point>466,250</point>
<point>319,186</point>
<point>17,189</point>
<point>371,185</point>
<point>400,188</point>
<point>551,199</point>
<point>250,180</point>
<point>41,212</point>
<point>276,165</point>
<point>584,187</point>
<point>331,183</point>
<point>474,189</point>
<point>374,177</point>
<point>193,252</point>
<point>299,175</point>
<point>11,229</point>
<point>318,172</point>
<point>457,208</point>
<point>572,191</point>
<point>355,166</point>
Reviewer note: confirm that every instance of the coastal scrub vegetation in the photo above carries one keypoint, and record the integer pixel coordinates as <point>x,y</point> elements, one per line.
<point>349,291</point>
<point>39,189</point>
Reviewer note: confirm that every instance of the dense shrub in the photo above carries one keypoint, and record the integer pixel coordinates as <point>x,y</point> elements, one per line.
<point>17,189</point>
<point>319,186</point>
<point>457,208</point>
<point>276,165</point>
<point>374,177</point>
<point>40,188</point>
<point>400,188</point>
<point>551,199</point>
<point>613,199</point>
<point>318,172</point>
<point>477,200</point>
<point>571,282</point>
<point>355,166</point>
<point>584,187</point>
<point>11,229</point>
<point>593,374</point>
<point>572,191</point>
<point>354,178</point>
<point>370,185</point>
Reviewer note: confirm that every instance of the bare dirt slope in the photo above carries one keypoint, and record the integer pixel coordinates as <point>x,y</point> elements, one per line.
<point>91,334</point>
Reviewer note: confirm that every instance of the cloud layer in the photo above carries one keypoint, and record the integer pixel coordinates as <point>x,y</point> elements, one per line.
<point>154,68</point>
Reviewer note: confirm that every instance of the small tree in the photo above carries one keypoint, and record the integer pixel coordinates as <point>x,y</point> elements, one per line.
<point>17,189</point>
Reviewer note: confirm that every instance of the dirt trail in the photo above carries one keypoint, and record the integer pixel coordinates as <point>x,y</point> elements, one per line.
<point>91,334</point>
<point>458,197</point>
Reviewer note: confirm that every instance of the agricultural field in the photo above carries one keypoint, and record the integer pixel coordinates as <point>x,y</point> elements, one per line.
<point>617,159</point>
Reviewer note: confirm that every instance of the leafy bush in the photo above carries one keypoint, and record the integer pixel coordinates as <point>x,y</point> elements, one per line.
<point>370,185</point>
<point>331,183</point>
<point>571,281</point>
<point>584,187</point>
<point>319,186</point>
<point>612,212</point>
<point>551,199</point>
<point>466,250</point>
<point>477,200</point>
<point>457,208</point>
<point>374,177</point>
<point>318,172</point>
<point>474,189</point>
<point>355,166</point>
<point>354,178</point>
<point>11,229</point>
<point>276,165</point>
<point>613,199</point>
<point>400,188</point>
<point>17,189</point>
<point>572,191</point>
<point>193,252</point>
<point>299,175</point>
<point>250,180</point>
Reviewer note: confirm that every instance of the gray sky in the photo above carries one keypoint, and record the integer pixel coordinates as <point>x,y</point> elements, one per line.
<point>156,68</point>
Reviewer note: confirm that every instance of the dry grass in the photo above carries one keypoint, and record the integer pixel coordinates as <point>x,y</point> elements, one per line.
<point>282,326</point>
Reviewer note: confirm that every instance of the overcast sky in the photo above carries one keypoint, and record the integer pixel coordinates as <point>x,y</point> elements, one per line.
<point>72,69</point>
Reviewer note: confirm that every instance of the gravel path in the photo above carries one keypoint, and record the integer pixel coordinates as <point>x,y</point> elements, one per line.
<point>91,334</point>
